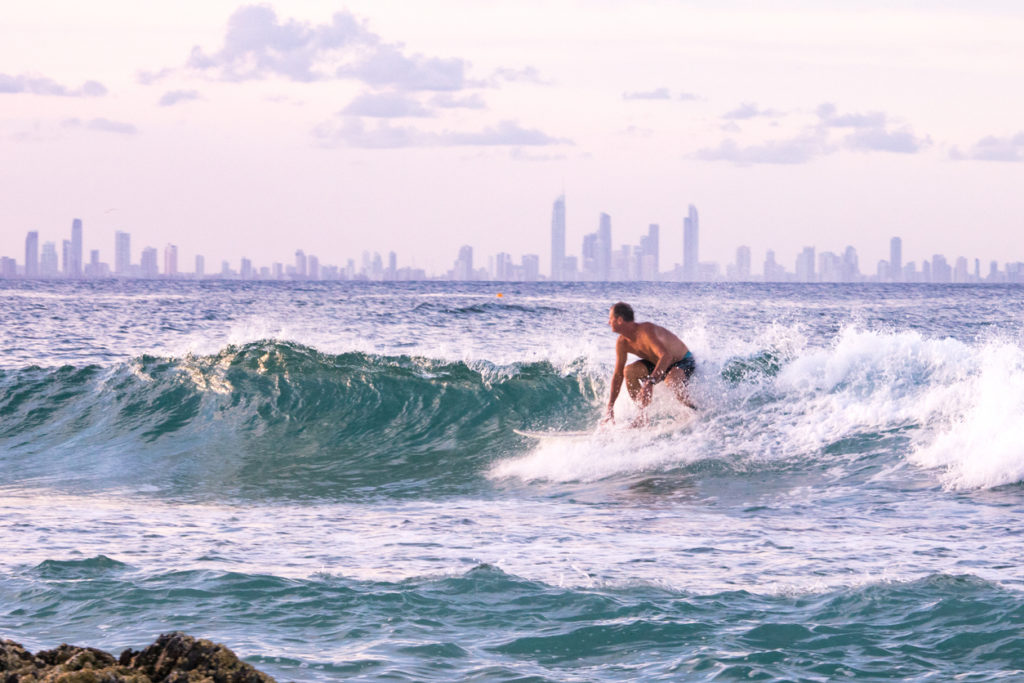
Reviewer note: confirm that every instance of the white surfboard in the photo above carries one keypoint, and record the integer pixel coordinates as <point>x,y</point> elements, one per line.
<point>554,434</point>
<point>664,427</point>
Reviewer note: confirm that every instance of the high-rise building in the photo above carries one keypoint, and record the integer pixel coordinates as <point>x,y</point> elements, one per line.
<point>773,272</point>
<point>8,268</point>
<point>200,265</point>
<point>896,259</point>
<point>558,239</point>
<point>464,264</point>
<point>531,267</point>
<point>649,250</point>
<point>941,271</point>
<point>851,265</point>
<point>148,263</point>
<point>313,267</point>
<point>300,265</point>
<point>65,252</point>
<point>691,243</point>
<point>32,254</point>
<point>75,270</point>
<point>604,247</point>
<point>960,271</point>
<point>805,265</point>
<point>122,253</point>
<point>743,263</point>
<point>48,260</point>
<point>502,267</point>
<point>589,253</point>
<point>171,260</point>
<point>392,265</point>
<point>94,268</point>
<point>245,269</point>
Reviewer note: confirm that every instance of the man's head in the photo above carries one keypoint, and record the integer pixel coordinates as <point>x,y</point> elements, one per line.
<point>619,314</point>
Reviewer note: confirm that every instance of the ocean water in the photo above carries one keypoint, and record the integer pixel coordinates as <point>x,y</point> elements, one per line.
<point>325,477</point>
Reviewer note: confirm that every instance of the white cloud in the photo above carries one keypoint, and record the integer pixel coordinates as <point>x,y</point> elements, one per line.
<point>385,105</point>
<point>40,85</point>
<point>446,100</point>
<point>749,110</point>
<point>796,150</point>
<point>505,133</point>
<point>528,74</point>
<point>993,148</point>
<point>173,97</point>
<point>879,139</point>
<point>102,125</point>
<point>827,114</point>
<point>656,94</point>
<point>387,66</point>
<point>353,133</point>
<point>872,131</point>
<point>258,45</point>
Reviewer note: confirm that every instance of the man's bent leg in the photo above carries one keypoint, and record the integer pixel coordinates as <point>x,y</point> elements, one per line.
<point>677,378</point>
<point>635,373</point>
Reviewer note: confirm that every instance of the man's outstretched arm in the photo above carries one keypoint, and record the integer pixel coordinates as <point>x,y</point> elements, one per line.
<point>620,366</point>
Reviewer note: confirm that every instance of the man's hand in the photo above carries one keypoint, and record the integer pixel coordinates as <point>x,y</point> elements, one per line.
<point>609,416</point>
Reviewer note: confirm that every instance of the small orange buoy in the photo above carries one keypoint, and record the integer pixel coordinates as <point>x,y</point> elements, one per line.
<point>500,295</point>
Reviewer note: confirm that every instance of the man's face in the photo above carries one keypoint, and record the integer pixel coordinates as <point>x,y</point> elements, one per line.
<point>613,322</point>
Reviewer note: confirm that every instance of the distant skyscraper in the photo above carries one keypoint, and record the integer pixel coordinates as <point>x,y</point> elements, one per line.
<point>743,263</point>
<point>850,266</point>
<point>200,265</point>
<point>171,260</point>
<point>148,263</point>
<point>558,239</point>
<point>312,267</point>
<point>245,269</point>
<point>48,260</point>
<point>941,272</point>
<point>392,265</point>
<point>531,267</point>
<point>75,270</point>
<point>94,268</point>
<point>896,259</point>
<point>65,253</point>
<point>464,264</point>
<point>773,272</point>
<point>691,244</point>
<point>8,267</point>
<point>649,254</point>
<point>805,265</point>
<point>32,254</point>
<point>122,253</point>
<point>300,265</point>
<point>590,248</point>
<point>604,247</point>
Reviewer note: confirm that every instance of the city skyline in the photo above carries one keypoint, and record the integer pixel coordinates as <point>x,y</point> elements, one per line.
<point>599,260</point>
<point>365,125</point>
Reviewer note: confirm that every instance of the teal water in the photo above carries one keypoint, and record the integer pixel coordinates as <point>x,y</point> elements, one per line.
<point>325,478</point>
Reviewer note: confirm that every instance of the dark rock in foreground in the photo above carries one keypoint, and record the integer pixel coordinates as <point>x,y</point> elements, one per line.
<point>173,658</point>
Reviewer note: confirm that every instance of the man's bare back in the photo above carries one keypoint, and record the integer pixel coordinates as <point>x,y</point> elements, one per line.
<point>663,356</point>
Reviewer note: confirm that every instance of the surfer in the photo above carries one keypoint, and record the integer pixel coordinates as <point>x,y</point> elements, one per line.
<point>663,356</point>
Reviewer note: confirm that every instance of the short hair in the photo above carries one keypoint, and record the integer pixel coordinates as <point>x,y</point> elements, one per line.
<point>624,311</point>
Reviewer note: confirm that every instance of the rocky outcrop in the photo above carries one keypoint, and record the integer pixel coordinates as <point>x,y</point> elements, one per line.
<point>173,658</point>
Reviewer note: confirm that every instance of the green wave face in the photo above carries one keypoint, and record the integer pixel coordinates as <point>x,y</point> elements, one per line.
<point>273,419</point>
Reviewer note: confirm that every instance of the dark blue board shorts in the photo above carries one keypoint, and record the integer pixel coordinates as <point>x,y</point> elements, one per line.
<point>687,365</point>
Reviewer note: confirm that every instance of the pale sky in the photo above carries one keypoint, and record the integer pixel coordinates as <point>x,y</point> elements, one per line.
<point>235,129</point>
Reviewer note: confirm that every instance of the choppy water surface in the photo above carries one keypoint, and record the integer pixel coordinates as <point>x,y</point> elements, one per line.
<point>325,478</point>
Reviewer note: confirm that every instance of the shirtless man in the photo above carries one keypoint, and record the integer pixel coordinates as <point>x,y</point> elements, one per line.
<point>663,356</point>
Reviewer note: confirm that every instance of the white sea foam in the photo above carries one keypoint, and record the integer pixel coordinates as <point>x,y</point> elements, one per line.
<point>959,404</point>
<point>980,443</point>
